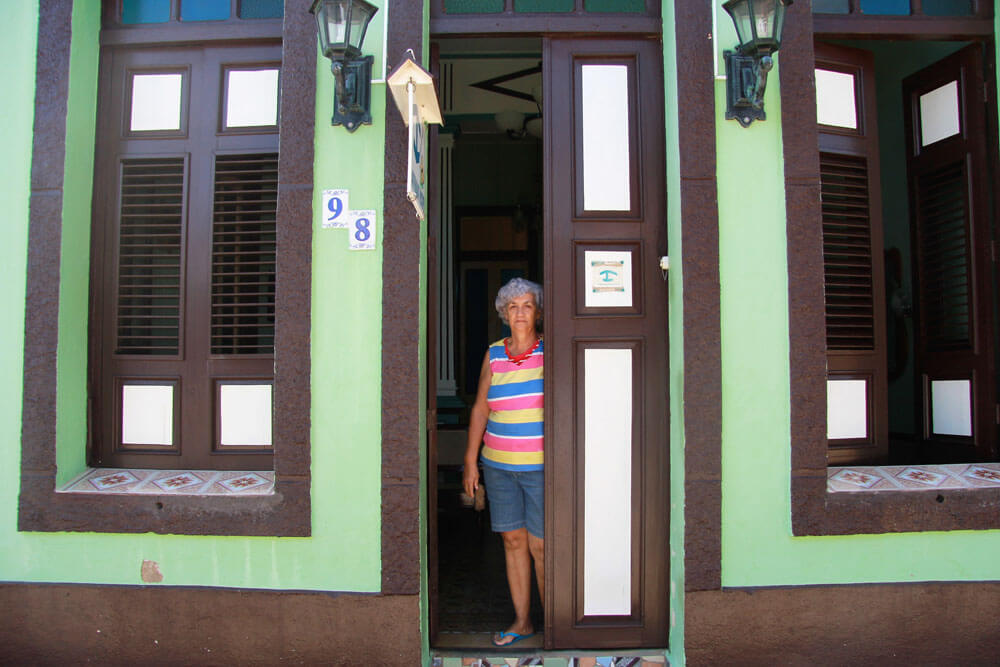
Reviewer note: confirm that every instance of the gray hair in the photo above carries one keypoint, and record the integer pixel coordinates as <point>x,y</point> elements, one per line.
<point>513,289</point>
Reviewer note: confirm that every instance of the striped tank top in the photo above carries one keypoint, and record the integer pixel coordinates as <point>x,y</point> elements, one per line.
<point>513,439</point>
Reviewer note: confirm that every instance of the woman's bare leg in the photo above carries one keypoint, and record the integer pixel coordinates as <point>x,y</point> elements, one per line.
<point>537,547</point>
<point>518,557</point>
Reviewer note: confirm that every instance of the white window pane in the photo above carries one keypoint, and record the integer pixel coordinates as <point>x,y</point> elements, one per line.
<point>605,138</point>
<point>607,532</point>
<point>836,99</point>
<point>951,407</point>
<point>245,414</point>
<point>939,114</point>
<point>156,102</point>
<point>252,98</point>
<point>846,409</point>
<point>148,414</point>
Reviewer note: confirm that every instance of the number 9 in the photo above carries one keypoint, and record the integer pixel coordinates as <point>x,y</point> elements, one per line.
<point>336,207</point>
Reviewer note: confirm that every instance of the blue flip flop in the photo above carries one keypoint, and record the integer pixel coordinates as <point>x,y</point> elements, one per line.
<point>516,638</point>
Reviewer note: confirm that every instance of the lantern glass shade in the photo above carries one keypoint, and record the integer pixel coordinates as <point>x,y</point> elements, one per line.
<point>758,24</point>
<point>342,26</point>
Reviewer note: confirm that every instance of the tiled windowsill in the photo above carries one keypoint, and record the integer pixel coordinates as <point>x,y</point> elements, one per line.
<point>130,481</point>
<point>913,478</point>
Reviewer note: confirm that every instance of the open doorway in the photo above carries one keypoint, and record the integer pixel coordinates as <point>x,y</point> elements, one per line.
<point>488,230</point>
<point>585,206</point>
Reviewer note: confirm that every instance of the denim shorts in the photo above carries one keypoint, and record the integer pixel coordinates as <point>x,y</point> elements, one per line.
<point>517,500</point>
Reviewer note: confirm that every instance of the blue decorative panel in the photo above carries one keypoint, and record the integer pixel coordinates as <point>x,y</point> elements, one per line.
<point>204,10</point>
<point>886,7</point>
<point>830,7</point>
<point>948,7</point>
<point>618,6</point>
<point>473,6</point>
<point>145,11</point>
<point>543,5</point>
<point>262,9</point>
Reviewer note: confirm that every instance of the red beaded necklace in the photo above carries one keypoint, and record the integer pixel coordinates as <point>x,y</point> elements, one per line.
<point>518,359</point>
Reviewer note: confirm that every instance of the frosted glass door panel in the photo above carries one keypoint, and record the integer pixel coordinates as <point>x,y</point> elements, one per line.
<point>846,409</point>
<point>605,138</point>
<point>951,407</point>
<point>148,414</point>
<point>245,415</point>
<point>836,103</point>
<point>251,98</point>
<point>607,559</point>
<point>156,102</point>
<point>939,115</point>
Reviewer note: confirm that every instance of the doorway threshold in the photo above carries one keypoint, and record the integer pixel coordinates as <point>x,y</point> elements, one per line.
<point>475,649</point>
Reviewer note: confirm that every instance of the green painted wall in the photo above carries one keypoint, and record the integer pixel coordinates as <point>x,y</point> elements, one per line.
<point>18,32</point>
<point>675,318</point>
<point>344,552</point>
<point>757,544</point>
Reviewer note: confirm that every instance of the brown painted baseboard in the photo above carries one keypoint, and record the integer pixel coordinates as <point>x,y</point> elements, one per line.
<point>61,624</point>
<point>876,624</point>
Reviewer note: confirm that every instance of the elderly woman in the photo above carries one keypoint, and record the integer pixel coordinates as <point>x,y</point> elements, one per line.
<point>507,415</point>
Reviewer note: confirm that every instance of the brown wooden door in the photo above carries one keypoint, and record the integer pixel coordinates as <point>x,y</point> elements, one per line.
<point>606,338</point>
<point>854,283</point>
<point>950,181</point>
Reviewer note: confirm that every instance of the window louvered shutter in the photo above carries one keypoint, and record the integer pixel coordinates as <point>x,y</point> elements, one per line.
<point>243,254</point>
<point>847,252</point>
<point>853,265</point>
<point>150,256</point>
<point>946,294</point>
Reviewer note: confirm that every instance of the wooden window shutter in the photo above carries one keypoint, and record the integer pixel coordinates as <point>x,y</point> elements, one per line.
<point>945,265</point>
<point>243,254</point>
<point>853,262</point>
<point>847,252</point>
<point>150,256</point>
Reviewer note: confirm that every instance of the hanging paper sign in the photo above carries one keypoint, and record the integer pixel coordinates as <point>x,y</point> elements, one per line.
<point>609,279</point>
<point>416,188</point>
<point>335,209</point>
<point>362,226</point>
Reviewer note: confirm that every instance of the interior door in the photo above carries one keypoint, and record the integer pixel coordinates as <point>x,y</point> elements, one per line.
<point>607,499</point>
<point>950,182</point>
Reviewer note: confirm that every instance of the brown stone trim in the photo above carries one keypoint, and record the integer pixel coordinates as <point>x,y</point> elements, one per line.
<point>700,241</point>
<point>814,510</point>
<point>287,512</point>
<point>864,624</point>
<point>401,372</point>
<point>60,624</point>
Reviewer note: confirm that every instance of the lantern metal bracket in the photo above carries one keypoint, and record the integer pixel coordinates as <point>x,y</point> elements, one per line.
<point>746,80</point>
<point>352,92</point>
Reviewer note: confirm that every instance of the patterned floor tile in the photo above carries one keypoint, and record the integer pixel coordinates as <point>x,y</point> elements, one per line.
<point>913,478</point>
<point>856,479</point>
<point>982,474</point>
<point>178,482</point>
<point>113,480</point>
<point>244,482</point>
<point>173,482</point>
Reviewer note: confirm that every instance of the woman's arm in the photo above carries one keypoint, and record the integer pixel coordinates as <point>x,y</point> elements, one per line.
<point>477,428</point>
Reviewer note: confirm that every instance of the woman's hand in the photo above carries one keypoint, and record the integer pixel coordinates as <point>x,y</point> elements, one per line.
<point>470,478</point>
<point>478,416</point>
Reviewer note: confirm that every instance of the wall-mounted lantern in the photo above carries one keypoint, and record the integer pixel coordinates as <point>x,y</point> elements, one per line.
<point>758,26</point>
<point>342,25</point>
